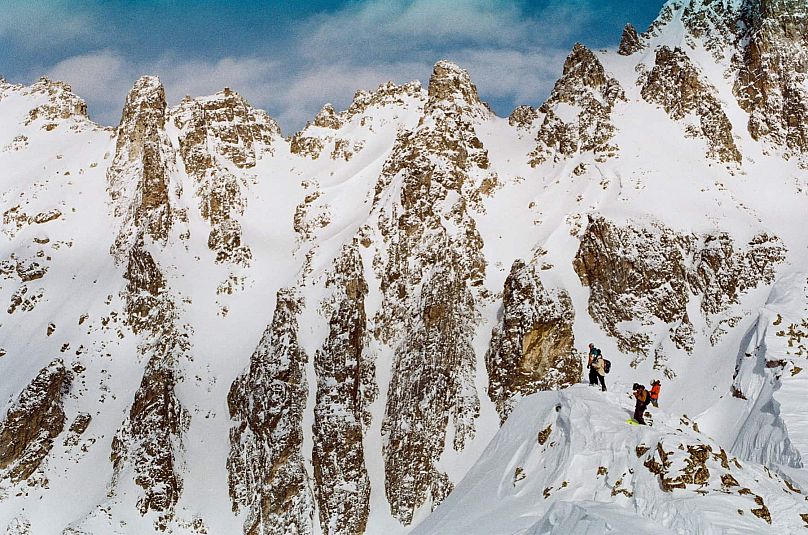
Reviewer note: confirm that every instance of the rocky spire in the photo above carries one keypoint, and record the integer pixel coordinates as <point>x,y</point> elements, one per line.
<point>451,86</point>
<point>533,346</point>
<point>138,175</point>
<point>328,118</point>
<point>266,468</point>
<point>592,93</point>
<point>434,246</point>
<point>148,443</point>
<point>630,43</point>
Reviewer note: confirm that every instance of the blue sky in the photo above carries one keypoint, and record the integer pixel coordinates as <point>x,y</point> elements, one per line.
<point>292,57</point>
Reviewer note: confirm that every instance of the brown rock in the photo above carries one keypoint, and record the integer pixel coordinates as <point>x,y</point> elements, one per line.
<point>630,42</point>
<point>33,422</point>
<point>533,348</point>
<point>676,84</point>
<point>266,469</point>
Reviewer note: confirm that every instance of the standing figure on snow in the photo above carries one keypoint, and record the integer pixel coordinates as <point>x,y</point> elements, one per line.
<point>596,365</point>
<point>643,398</point>
<point>656,386</point>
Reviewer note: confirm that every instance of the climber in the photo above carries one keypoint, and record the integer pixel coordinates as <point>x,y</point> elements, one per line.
<point>643,398</point>
<point>597,372</point>
<point>656,386</point>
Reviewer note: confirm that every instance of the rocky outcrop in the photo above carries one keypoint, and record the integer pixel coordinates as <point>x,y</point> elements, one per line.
<point>676,84</point>
<point>387,94</point>
<point>328,118</point>
<point>631,42</point>
<point>429,278</point>
<point>345,387</point>
<point>451,87</point>
<point>33,422</point>
<point>219,136</point>
<point>772,81</point>
<point>533,347</point>
<point>715,25</point>
<point>634,273</point>
<point>523,116</point>
<point>62,104</point>
<point>266,469</point>
<point>228,124</point>
<point>148,445</point>
<point>577,115</point>
<point>139,175</point>
<point>722,273</point>
<point>646,274</point>
<point>149,440</point>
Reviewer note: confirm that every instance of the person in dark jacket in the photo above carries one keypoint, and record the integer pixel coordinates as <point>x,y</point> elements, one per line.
<point>643,398</point>
<point>595,366</point>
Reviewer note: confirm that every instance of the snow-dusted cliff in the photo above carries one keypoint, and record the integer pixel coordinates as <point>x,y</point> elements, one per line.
<point>211,328</point>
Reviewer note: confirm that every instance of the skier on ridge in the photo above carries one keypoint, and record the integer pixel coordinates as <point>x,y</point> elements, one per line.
<point>596,365</point>
<point>643,398</point>
<point>656,386</point>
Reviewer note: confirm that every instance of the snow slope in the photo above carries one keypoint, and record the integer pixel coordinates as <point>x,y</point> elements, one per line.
<point>408,211</point>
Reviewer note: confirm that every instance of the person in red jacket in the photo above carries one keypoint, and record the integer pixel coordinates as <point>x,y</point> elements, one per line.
<point>656,386</point>
<point>643,398</point>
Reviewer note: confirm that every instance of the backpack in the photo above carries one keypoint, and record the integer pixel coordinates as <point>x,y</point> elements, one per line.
<point>607,365</point>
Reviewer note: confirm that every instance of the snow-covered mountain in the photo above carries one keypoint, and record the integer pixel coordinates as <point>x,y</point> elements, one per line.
<point>376,325</point>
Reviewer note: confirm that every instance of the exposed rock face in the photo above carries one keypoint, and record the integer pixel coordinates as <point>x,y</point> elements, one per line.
<point>676,84</point>
<point>773,73</point>
<point>577,115</point>
<point>386,94</point>
<point>220,136</point>
<point>523,116</point>
<point>345,387</point>
<point>714,24</point>
<point>723,273</point>
<point>149,443</point>
<point>327,118</point>
<point>533,348</point>
<point>139,175</point>
<point>647,274</point>
<point>234,130</point>
<point>33,422</point>
<point>630,42</point>
<point>266,468</point>
<point>62,103</point>
<point>434,248</point>
<point>450,86</point>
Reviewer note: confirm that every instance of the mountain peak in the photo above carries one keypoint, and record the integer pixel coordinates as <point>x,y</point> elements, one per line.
<point>328,118</point>
<point>450,83</point>
<point>147,97</point>
<point>630,43</point>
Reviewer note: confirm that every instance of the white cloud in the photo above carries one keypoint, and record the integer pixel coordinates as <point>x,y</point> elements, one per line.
<point>102,77</point>
<point>40,24</point>
<point>510,57</point>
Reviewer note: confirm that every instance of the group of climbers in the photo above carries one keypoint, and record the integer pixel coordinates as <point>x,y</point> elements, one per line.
<point>645,397</point>
<point>598,368</point>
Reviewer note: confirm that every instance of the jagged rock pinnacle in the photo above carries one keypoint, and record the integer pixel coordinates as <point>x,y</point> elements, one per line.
<point>452,84</point>
<point>327,118</point>
<point>630,43</point>
<point>147,98</point>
